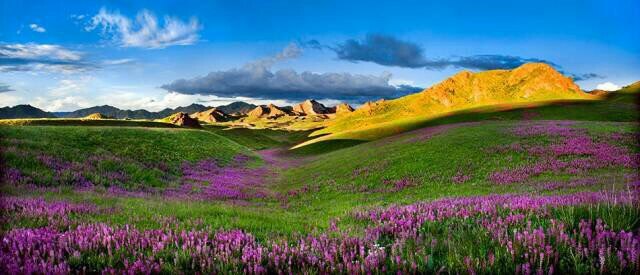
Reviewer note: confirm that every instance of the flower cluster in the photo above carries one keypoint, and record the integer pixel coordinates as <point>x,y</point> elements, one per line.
<point>584,154</point>
<point>208,180</point>
<point>54,213</point>
<point>399,239</point>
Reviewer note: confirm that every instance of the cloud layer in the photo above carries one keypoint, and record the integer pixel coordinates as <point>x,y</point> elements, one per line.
<point>40,57</point>
<point>390,51</point>
<point>5,88</point>
<point>145,31</point>
<point>257,80</point>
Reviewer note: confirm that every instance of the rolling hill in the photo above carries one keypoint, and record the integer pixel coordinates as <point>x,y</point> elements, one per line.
<point>465,96</point>
<point>532,82</point>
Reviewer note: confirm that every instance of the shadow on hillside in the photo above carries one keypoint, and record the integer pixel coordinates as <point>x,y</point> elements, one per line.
<point>622,107</point>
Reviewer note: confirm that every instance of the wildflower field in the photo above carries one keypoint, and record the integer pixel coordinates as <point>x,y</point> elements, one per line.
<point>528,194</point>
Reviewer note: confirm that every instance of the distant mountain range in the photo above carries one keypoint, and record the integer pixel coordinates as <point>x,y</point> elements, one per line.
<point>24,111</point>
<point>28,111</point>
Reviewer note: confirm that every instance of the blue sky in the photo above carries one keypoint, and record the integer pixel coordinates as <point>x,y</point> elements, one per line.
<point>157,54</point>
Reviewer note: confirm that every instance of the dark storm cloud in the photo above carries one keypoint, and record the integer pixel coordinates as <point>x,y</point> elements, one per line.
<point>262,83</point>
<point>587,76</point>
<point>390,51</point>
<point>383,50</point>
<point>492,62</point>
<point>257,80</point>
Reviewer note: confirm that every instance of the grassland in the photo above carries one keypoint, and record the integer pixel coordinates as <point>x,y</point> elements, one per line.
<point>615,107</point>
<point>145,156</point>
<point>84,122</point>
<point>434,194</point>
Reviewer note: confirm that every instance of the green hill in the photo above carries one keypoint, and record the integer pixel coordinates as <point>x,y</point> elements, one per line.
<point>497,94</point>
<point>150,157</point>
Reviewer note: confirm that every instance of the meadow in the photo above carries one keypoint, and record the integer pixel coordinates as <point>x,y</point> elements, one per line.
<point>544,189</point>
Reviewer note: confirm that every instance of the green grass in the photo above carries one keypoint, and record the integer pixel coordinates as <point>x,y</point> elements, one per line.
<point>430,163</point>
<point>337,191</point>
<point>142,153</point>
<point>617,107</point>
<point>259,139</point>
<point>84,122</point>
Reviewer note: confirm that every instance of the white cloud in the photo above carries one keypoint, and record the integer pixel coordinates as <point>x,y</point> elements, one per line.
<point>67,87</point>
<point>122,61</point>
<point>8,99</point>
<point>34,27</point>
<point>68,103</point>
<point>37,51</point>
<point>145,31</point>
<point>33,57</point>
<point>608,86</point>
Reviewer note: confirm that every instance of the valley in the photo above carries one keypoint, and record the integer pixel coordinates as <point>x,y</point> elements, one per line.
<point>505,171</point>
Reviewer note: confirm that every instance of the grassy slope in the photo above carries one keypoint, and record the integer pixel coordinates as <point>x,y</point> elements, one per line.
<point>532,82</point>
<point>85,122</point>
<point>259,139</point>
<point>141,149</point>
<point>619,106</point>
<point>430,163</point>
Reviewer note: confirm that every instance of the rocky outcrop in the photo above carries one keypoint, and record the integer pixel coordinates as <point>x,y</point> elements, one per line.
<point>211,116</point>
<point>182,119</point>
<point>276,112</point>
<point>258,112</point>
<point>311,107</point>
<point>97,116</point>
<point>270,111</point>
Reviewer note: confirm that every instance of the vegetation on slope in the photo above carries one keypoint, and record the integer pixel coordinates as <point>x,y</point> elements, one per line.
<point>532,82</point>
<point>616,106</point>
<point>128,157</point>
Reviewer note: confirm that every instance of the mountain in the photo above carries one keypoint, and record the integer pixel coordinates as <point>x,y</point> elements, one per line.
<point>182,119</point>
<point>311,107</point>
<point>23,111</point>
<point>110,111</point>
<point>193,108</point>
<point>270,111</point>
<point>97,116</point>
<point>237,107</point>
<point>210,116</point>
<point>531,82</point>
<point>114,112</point>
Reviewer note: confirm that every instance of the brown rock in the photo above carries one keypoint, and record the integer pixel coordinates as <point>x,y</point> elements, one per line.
<point>310,107</point>
<point>258,112</point>
<point>183,119</point>
<point>275,111</point>
<point>211,115</point>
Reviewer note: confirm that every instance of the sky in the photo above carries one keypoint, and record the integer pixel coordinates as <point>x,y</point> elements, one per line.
<point>63,56</point>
